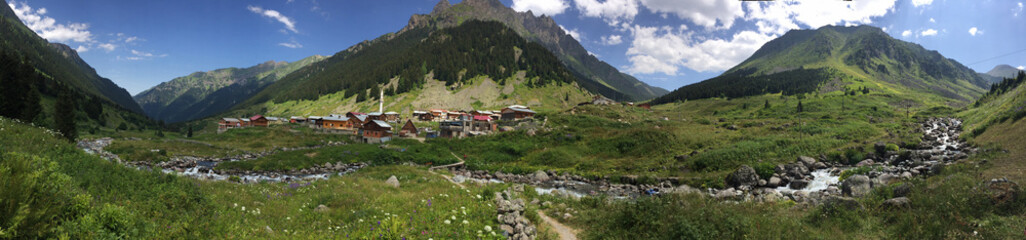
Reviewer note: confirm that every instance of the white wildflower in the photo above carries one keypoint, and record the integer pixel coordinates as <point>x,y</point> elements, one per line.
<point>466,222</point>
<point>448,222</point>
<point>488,228</point>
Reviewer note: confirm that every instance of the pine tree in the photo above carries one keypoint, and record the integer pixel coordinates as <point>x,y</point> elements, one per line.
<point>65,115</point>
<point>800,109</point>
<point>767,106</point>
<point>31,109</point>
<point>189,134</point>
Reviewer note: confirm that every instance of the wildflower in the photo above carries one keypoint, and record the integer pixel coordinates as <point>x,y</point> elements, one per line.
<point>447,222</point>
<point>243,208</point>
<point>453,217</point>
<point>466,222</point>
<point>488,228</point>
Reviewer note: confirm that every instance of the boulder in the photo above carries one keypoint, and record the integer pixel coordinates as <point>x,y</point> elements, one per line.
<point>798,184</point>
<point>1002,191</point>
<point>897,203</point>
<point>393,181</point>
<point>864,163</point>
<point>773,182</point>
<point>727,194</point>
<point>321,208</point>
<point>807,161</point>
<point>819,165</point>
<point>839,203</point>
<point>540,176</point>
<point>903,190</point>
<point>856,186</point>
<point>744,176</point>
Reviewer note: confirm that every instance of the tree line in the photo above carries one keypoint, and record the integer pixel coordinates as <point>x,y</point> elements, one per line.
<point>742,84</point>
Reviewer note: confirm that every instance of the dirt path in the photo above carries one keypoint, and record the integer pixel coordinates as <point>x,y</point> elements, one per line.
<point>446,166</point>
<point>565,233</point>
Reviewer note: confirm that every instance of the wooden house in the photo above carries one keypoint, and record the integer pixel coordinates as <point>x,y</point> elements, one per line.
<point>408,129</point>
<point>228,123</point>
<point>376,116</point>
<point>645,106</point>
<point>483,124</point>
<point>513,114</point>
<point>295,119</point>
<point>358,121</point>
<point>336,123</point>
<point>391,117</point>
<point>426,117</point>
<point>377,131</point>
<point>315,121</point>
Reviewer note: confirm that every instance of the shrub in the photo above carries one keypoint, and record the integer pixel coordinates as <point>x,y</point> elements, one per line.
<point>35,196</point>
<point>892,147</point>
<point>765,169</point>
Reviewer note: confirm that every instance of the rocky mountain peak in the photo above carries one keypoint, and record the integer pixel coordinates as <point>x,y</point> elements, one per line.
<point>441,6</point>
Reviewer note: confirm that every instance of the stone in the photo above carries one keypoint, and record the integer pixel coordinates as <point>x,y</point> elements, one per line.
<point>567,216</point>
<point>845,203</point>
<point>798,184</point>
<point>856,186</point>
<point>897,203</point>
<point>864,163</point>
<point>393,181</point>
<point>819,165</point>
<point>732,127</point>
<point>744,176</point>
<point>726,194</point>
<point>1002,191</point>
<point>807,161</point>
<point>321,208</point>
<point>773,182</point>
<point>506,228</point>
<point>540,176</point>
<point>459,179</point>
<point>903,190</point>
<point>762,182</point>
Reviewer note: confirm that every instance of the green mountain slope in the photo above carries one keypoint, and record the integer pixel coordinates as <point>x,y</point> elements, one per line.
<point>417,59</point>
<point>58,62</point>
<point>854,57</point>
<point>1005,101</point>
<point>1003,71</point>
<point>204,93</point>
<point>595,74</point>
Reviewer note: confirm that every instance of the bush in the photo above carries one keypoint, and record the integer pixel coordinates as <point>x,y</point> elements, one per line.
<point>35,196</point>
<point>765,169</point>
<point>892,147</point>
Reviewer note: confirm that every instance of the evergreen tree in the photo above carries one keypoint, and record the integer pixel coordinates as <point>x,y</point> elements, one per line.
<point>31,109</point>
<point>64,118</point>
<point>800,109</point>
<point>189,134</point>
<point>767,106</point>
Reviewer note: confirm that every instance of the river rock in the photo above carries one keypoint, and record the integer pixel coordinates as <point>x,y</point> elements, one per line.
<point>393,181</point>
<point>809,162</point>
<point>864,163</point>
<point>856,186</point>
<point>727,194</point>
<point>820,165</point>
<point>773,182</point>
<point>897,203</point>
<point>1002,191</point>
<point>798,184</point>
<point>744,176</point>
<point>540,176</point>
<point>321,208</point>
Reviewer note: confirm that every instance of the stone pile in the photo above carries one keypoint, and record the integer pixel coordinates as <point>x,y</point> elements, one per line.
<point>511,217</point>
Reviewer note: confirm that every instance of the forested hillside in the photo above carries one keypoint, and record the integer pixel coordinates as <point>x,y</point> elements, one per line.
<point>453,55</point>
<point>58,62</point>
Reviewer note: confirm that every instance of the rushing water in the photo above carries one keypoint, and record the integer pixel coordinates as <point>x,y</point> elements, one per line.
<point>821,179</point>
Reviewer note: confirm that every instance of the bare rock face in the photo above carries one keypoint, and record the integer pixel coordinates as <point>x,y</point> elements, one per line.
<point>897,203</point>
<point>393,181</point>
<point>857,186</point>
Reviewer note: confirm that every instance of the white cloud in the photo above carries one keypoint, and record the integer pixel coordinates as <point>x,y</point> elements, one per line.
<point>614,12</point>
<point>662,50</point>
<point>292,44</point>
<point>131,39</point>
<point>612,40</point>
<point>1017,11</point>
<point>906,33</point>
<point>933,20</point>
<point>780,16</point>
<point>541,7</point>
<point>973,31</point>
<point>573,33</point>
<point>920,3</point>
<point>48,28</point>
<point>711,14</point>
<point>81,49</point>
<point>1021,67</point>
<point>107,47</point>
<point>289,23</point>
<point>142,54</point>
<point>928,32</point>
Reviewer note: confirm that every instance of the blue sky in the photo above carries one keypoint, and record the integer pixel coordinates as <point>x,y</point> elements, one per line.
<point>666,43</point>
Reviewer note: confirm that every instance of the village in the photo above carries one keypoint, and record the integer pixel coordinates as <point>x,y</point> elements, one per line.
<point>381,127</point>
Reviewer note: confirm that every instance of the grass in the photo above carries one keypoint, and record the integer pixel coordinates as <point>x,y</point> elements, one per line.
<point>231,143</point>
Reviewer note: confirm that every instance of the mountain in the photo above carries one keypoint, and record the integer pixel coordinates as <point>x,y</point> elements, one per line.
<point>1003,71</point>
<point>204,93</point>
<point>479,65</point>
<point>832,58</point>
<point>59,62</point>
<point>595,74</point>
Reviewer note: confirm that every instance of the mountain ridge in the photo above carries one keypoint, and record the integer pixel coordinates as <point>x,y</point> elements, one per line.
<point>203,93</point>
<point>862,55</point>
